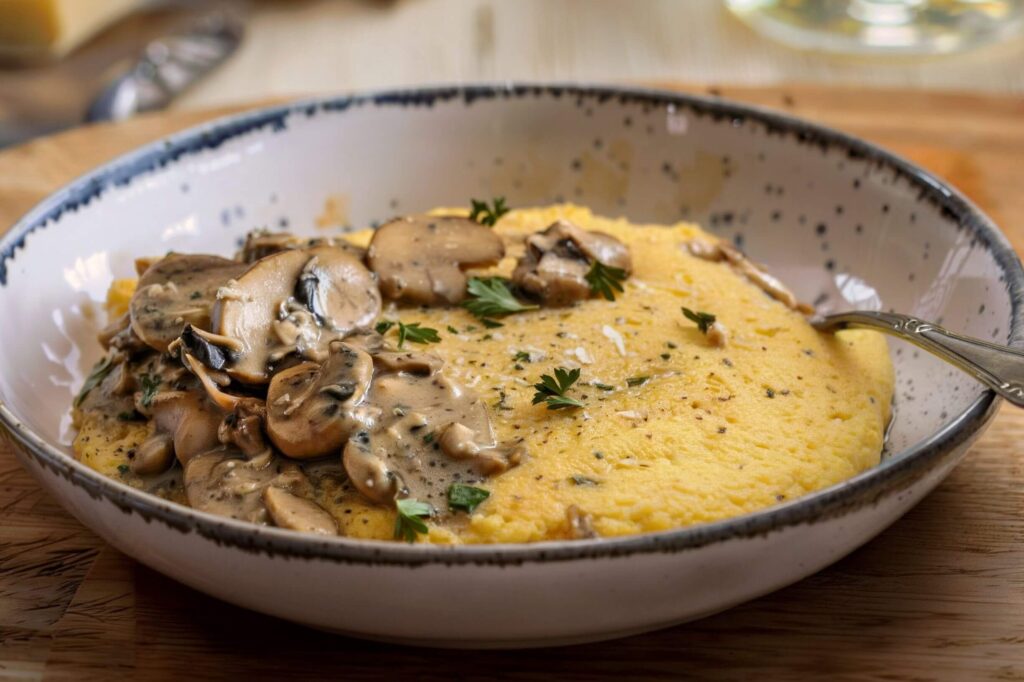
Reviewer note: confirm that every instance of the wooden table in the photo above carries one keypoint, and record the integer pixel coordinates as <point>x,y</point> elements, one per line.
<point>938,596</point>
<point>296,46</point>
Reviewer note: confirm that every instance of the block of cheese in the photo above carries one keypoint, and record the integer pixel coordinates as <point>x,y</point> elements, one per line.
<point>33,30</point>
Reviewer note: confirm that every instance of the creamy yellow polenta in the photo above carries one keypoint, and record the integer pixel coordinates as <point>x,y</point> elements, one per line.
<point>688,433</point>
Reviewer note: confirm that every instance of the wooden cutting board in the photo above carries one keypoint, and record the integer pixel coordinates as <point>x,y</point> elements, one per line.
<point>940,595</point>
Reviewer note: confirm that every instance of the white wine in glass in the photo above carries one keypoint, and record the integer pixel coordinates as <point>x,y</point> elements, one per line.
<point>883,26</point>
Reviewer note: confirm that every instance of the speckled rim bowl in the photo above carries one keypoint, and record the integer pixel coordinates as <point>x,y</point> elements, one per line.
<point>843,221</point>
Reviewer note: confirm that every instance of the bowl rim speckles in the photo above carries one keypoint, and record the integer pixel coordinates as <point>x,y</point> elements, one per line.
<point>887,478</point>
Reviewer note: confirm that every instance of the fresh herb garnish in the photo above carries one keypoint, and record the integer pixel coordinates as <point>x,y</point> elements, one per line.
<point>150,386</point>
<point>429,438</point>
<point>466,497</point>
<point>409,521</point>
<point>521,356</point>
<point>417,334</point>
<point>492,298</point>
<point>383,326</point>
<point>603,387</point>
<point>605,279</point>
<point>637,381</point>
<point>452,330</point>
<point>701,319</point>
<point>123,469</point>
<point>486,215</point>
<point>491,324</point>
<point>551,389</point>
<point>98,372</point>
<point>580,479</point>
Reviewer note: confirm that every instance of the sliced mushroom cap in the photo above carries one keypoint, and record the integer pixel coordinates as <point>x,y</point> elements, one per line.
<point>190,421</point>
<point>310,408</point>
<point>432,432</point>
<point>297,513</point>
<point>262,243</point>
<point>411,362</point>
<point>422,258</point>
<point>154,456</point>
<point>177,290</point>
<point>557,260</point>
<point>294,301</point>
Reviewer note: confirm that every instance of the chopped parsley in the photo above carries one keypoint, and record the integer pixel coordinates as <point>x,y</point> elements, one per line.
<point>491,297</point>
<point>452,330</point>
<point>491,324</point>
<point>552,389</point>
<point>701,319</point>
<point>98,372</point>
<point>487,215</point>
<point>417,334</point>
<point>603,387</point>
<point>383,326</point>
<point>150,386</point>
<point>409,521</point>
<point>580,479</point>
<point>605,280</point>
<point>637,381</point>
<point>466,497</point>
<point>123,469</point>
<point>522,356</point>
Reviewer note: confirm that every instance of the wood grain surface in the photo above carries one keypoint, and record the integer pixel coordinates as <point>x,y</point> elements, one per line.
<point>939,596</point>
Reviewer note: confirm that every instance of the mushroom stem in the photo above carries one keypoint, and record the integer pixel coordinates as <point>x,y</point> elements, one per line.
<point>224,401</point>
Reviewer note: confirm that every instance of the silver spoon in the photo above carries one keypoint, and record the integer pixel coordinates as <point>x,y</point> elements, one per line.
<point>999,367</point>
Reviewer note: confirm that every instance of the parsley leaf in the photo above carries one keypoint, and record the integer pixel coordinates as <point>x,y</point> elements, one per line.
<point>492,298</point>
<point>522,356</point>
<point>551,389</point>
<point>637,381</point>
<point>383,326</point>
<point>466,497</point>
<point>150,386</point>
<point>452,330</point>
<point>491,324</point>
<point>409,521</point>
<point>605,279</point>
<point>701,319</point>
<point>484,214</point>
<point>417,334</point>
<point>98,372</point>
<point>603,387</point>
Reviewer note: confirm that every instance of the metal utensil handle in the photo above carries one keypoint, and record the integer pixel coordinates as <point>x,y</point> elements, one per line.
<point>999,367</point>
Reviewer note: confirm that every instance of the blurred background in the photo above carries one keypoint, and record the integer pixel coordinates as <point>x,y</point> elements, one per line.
<point>69,61</point>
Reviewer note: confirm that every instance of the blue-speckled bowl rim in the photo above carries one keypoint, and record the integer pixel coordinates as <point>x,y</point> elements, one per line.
<point>889,477</point>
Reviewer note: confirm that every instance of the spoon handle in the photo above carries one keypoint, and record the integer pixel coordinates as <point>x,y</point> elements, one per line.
<point>999,367</point>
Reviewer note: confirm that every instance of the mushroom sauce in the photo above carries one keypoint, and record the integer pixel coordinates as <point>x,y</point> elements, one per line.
<point>287,386</point>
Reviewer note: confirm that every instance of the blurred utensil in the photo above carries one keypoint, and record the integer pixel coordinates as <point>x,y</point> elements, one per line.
<point>168,67</point>
<point>140,63</point>
<point>1001,368</point>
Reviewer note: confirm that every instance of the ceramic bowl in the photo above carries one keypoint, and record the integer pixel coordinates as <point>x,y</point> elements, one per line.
<point>844,223</point>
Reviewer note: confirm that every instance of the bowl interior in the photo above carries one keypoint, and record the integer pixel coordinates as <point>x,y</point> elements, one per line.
<point>842,224</point>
